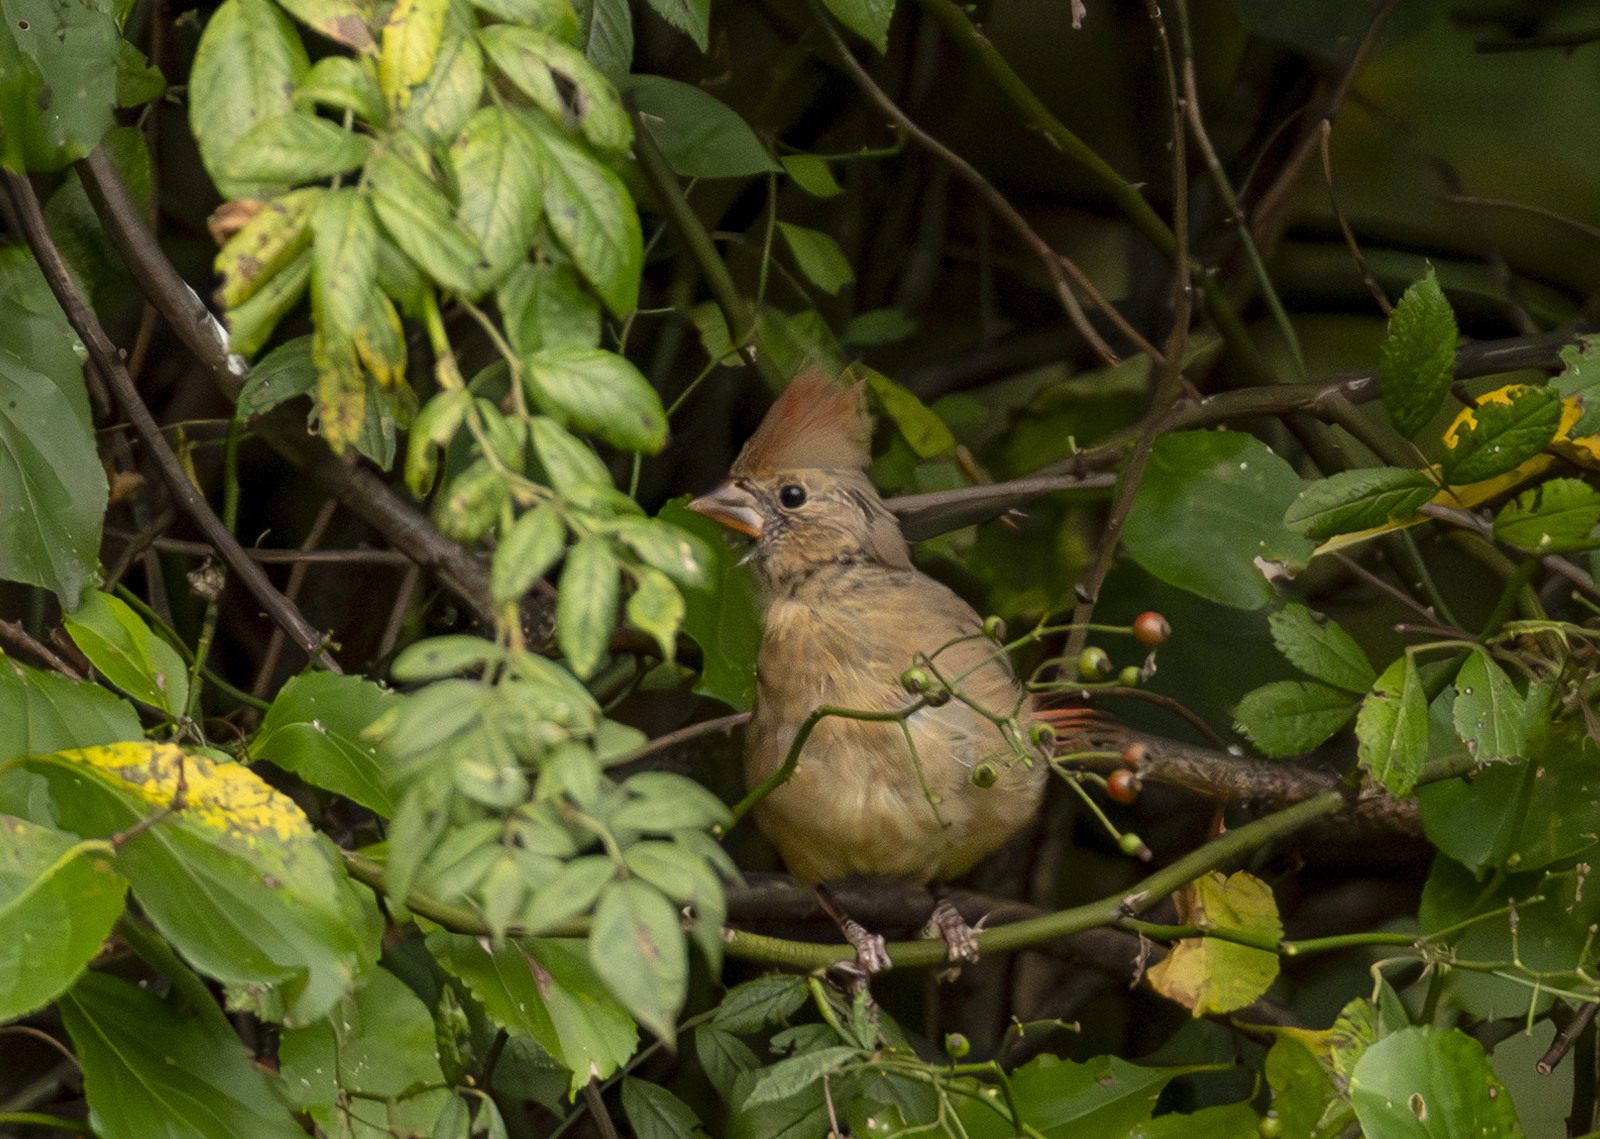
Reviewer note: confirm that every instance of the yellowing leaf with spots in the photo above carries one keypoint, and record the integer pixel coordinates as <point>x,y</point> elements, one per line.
<point>1211,974</point>
<point>227,868</point>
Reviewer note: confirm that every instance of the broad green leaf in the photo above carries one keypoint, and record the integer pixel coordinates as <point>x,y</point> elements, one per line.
<point>526,552</point>
<point>921,428</point>
<point>691,17</point>
<point>1554,517</point>
<point>411,36</point>
<point>723,1057</point>
<point>1358,500</point>
<point>798,1073</point>
<point>720,615</point>
<point>878,326</point>
<point>1208,517</point>
<point>290,149</point>
<point>442,102</point>
<point>655,1113</point>
<point>1392,727</point>
<point>249,61</point>
<point>419,219</point>
<point>752,1006</point>
<point>1508,427</point>
<point>1581,379</point>
<point>812,175</point>
<point>378,1041</point>
<point>343,21</point>
<point>128,654</point>
<point>1488,710</point>
<point>149,1071</point>
<point>500,185</point>
<point>285,372</point>
<point>660,802</point>
<point>439,657</point>
<point>1061,1098</point>
<point>688,880</point>
<point>58,902</point>
<point>235,877</point>
<point>562,83</point>
<point>547,990</point>
<point>699,134</point>
<point>1208,974</point>
<point>314,730</point>
<point>59,66</point>
<point>819,257</point>
<point>636,946</point>
<point>869,19</point>
<point>1418,359</point>
<point>1318,647</point>
<point>1290,717</point>
<point>44,711</point>
<point>52,486</point>
<point>610,43</point>
<point>598,392</point>
<point>570,466</point>
<point>663,546</point>
<point>656,607</point>
<point>545,306</point>
<point>552,17</point>
<point>266,245</point>
<point>82,241</point>
<point>1427,1082</point>
<point>251,323</point>
<point>345,84</point>
<point>586,604</point>
<point>592,215</point>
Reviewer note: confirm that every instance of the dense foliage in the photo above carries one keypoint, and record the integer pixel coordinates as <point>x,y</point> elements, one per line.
<point>1267,318</point>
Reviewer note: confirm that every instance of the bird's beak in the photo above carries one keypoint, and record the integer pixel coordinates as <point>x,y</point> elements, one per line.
<point>731,505</point>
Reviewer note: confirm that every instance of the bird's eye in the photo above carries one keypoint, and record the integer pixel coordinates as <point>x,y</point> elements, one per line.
<point>791,495</point>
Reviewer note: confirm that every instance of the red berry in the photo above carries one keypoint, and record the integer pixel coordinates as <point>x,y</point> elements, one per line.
<point>1151,628</point>
<point>1134,755</point>
<point>1123,786</point>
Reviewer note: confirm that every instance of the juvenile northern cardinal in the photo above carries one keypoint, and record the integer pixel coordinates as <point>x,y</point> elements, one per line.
<point>845,615</point>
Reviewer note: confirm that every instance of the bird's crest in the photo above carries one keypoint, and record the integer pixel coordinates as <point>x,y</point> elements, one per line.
<point>816,424</point>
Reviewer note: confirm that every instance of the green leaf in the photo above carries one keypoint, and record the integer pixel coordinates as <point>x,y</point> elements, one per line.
<point>439,105</point>
<point>878,326</point>
<point>586,604</point>
<point>869,19</point>
<point>656,607</point>
<point>314,730</point>
<point>752,1006</point>
<point>813,175</point>
<point>571,467</point>
<point>1418,358</point>
<point>412,35</point>
<point>699,134</point>
<point>1318,647</point>
<point>819,257</point>
<point>723,1056</point>
<point>1290,717</point>
<point>251,323</point>
<point>285,372</point>
<point>1210,974</point>
<point>527,550</point>
<point>1488,710</point>
<point>500,185</point>
<point>663,546</point>
<point>922,429</point>
<point>1358,500</point>
<point>598,392</point>
<point>610,46</point>
<point>1499,436</point>
<point>721,615</point>
<point>149,1071</point>
<point>1425,1081</point>
<point>266,245</point>
<point>1392,727</point>
<point>1555,517</point>
<point>660,802</point>
<point>343,21</point>
<point>58,902</point>
<point>128,654</point>
<point>291,149</point>
<point>636,947</point>
<point>378,1042</point>
<point>544,989</point>
<point>1208,516</point>
<point>593,217</point>
<point>44,712</point>
<point>344,84</point>
<point>688,880</point>
<point>552,17</point>
<point>249,61</point>
<point>52,486</point>
<point>236,879</point>
<point>545,306</point>
<point>59,66</point>
<point>798,1073</point>
<point>562,83</point>
<point>691,17</point>
<point>419,219</point>
<point>1581,379</point>
<point>656,1113</point>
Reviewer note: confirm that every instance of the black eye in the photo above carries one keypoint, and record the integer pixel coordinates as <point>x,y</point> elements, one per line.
<point>791,495</point>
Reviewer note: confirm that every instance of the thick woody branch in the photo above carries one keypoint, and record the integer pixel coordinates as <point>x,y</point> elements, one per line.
<point>106,360</point>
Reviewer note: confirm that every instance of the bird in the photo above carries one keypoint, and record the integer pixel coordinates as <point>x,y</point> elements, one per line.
<point>848,622</point>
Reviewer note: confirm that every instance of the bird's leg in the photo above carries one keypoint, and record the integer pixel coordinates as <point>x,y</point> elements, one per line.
<point>872,954</point>
<point>961,939</point>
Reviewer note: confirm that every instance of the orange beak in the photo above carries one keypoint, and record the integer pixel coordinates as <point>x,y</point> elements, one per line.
<point>731,505</point>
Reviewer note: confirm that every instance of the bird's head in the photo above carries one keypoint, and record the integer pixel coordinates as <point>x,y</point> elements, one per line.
<point>799,486</point>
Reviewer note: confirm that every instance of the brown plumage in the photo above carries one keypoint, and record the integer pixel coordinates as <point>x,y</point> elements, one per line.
<point>844,616</point>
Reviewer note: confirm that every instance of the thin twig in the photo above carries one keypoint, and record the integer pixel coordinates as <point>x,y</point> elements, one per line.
<point>104,354</point>
<point>13,632</point>
<point>291,590</point>
<point>1326,132</point>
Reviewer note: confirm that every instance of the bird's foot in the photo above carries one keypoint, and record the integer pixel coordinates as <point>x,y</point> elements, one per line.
<point>961,939</point>
<point>872,952</point>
